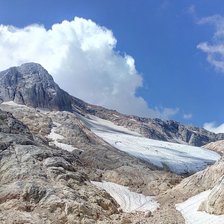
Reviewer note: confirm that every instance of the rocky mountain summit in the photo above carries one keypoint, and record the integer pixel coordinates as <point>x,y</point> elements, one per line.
<point>31,85</point>
<point>55,150</point>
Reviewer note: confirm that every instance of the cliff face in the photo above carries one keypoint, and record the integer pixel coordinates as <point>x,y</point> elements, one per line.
<point>30,84</point>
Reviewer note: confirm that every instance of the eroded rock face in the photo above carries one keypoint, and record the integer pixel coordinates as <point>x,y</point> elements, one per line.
<point>101,160</point>
<point>201,181</point>
<point>8,124</point>
<point>30,84</point>
<point>215,201</point>
<point>41,184</point>
<point>217,146</point>
<point>212,178</point>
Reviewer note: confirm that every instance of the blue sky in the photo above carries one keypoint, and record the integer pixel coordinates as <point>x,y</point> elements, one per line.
<point>162,36</point>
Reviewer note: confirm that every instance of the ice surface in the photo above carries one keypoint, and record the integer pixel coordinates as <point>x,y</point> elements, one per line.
<point>178,158</point>
<point>189,210</point>
<point>128,201</point>
<point>12,103</point>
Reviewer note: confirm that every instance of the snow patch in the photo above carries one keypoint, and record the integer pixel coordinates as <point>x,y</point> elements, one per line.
<point>12,103</point>
<point>189,210</point>
<point>101,125</point>
<point>178,158</point>
<point>55,137</point>
<point>128,201</point>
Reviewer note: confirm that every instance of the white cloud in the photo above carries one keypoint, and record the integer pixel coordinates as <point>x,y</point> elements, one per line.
<point>214,128</point>
<point>187,116</point>
<point>83,60</point>
<point>215,49</point>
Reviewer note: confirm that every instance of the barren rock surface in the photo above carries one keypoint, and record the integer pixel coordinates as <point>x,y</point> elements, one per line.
<point>215,201</point>
<point>217,146</point>
<point>65,175</point>
<point>41,184</point>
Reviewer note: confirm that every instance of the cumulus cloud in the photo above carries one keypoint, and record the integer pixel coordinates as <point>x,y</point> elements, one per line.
<point>83,60</point>
<point>214,128</point>
<point>214,49</point>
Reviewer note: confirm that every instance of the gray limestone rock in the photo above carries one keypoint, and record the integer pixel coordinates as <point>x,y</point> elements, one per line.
<point>30,84</point>
<point>42,184</point>
<point>215,201</point>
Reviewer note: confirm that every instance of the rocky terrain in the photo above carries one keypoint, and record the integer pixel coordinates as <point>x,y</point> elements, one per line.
<point>42,184</point>
<point>217,146</point>
<point>49,156</point>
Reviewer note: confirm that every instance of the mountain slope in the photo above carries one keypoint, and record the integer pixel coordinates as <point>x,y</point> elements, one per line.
<point>42,184</point>
<point>31,85</point>
<point>177,158</point>
<point>67,173</point>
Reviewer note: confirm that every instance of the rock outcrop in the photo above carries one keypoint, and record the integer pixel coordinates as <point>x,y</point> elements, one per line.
<point>209,179</point>
<point>30,84</point>
<point>42,184</point>
<point>215,201</point>
<point>217,146</point>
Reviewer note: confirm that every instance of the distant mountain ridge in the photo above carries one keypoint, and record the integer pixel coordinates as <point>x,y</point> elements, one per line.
<point>30,84</point>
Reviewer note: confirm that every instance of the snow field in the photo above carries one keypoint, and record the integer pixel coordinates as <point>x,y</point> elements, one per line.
<point>178,158</point>
<point>189,210</point>
<point>128,201</point>
<point>55,137</point>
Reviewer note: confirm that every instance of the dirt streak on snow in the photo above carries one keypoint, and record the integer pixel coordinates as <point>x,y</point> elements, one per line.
<point>189,210</point>
<point>55,137</point>
<point>128,201</point>
<point>178,158</point>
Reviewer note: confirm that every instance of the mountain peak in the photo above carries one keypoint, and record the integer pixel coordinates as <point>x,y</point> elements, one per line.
<point>36,70</point>
<point>32,85</point>
<point>31,66</point>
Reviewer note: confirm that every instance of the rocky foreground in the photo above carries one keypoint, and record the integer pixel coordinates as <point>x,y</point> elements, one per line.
<point>41,183</point>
